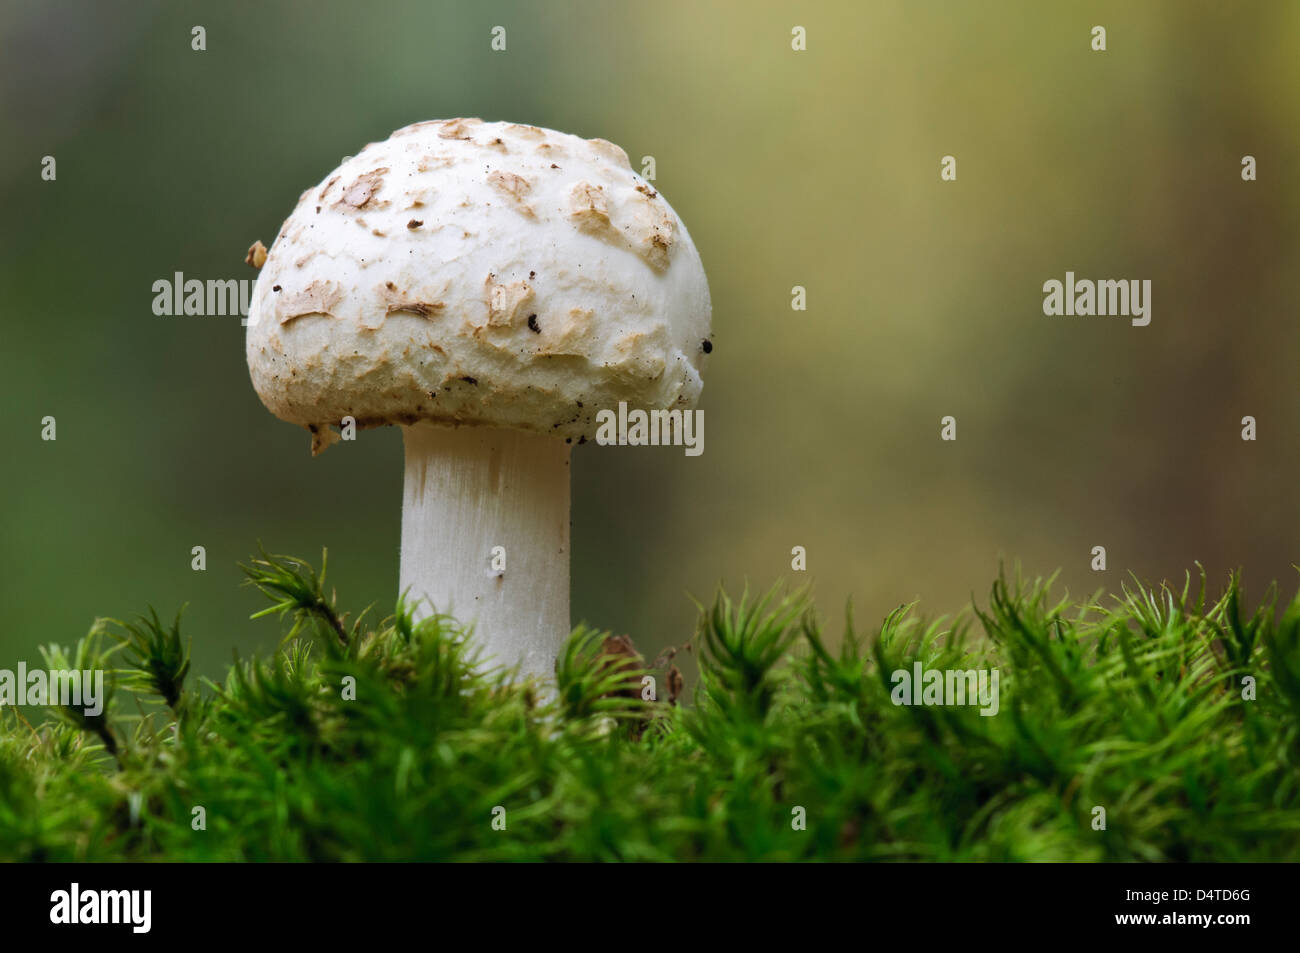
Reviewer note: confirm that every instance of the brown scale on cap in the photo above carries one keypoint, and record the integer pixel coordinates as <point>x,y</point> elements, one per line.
<point>505,302</point>
<point>319,297</point>
<point>608,150</point>
<point>589,208</point>
<point>527,132</point>
<point>362,190</point>
<point>398,301</point>
<point>514,188</point>
<point>647,227</point>
<point>458,128</point>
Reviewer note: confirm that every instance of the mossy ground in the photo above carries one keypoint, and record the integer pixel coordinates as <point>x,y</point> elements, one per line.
<point>389,741</point>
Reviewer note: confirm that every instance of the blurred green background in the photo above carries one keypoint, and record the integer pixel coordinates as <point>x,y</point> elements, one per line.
<point>817,168</point>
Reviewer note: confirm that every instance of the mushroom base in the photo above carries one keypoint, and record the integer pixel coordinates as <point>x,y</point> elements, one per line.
<point>485,538</point>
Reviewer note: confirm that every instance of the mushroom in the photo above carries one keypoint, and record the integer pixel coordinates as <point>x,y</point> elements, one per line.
<point>490,287</point>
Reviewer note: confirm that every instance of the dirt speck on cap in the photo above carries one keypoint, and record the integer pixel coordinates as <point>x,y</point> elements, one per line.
<point>657,249</point>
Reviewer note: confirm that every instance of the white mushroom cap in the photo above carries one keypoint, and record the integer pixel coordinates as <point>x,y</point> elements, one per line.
<point>466,272</point>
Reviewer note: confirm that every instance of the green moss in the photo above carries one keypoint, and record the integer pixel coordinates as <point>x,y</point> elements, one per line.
<point>391,740</point>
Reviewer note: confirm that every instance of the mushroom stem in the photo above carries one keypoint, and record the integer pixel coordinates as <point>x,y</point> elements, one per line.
<point>467,491</point>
